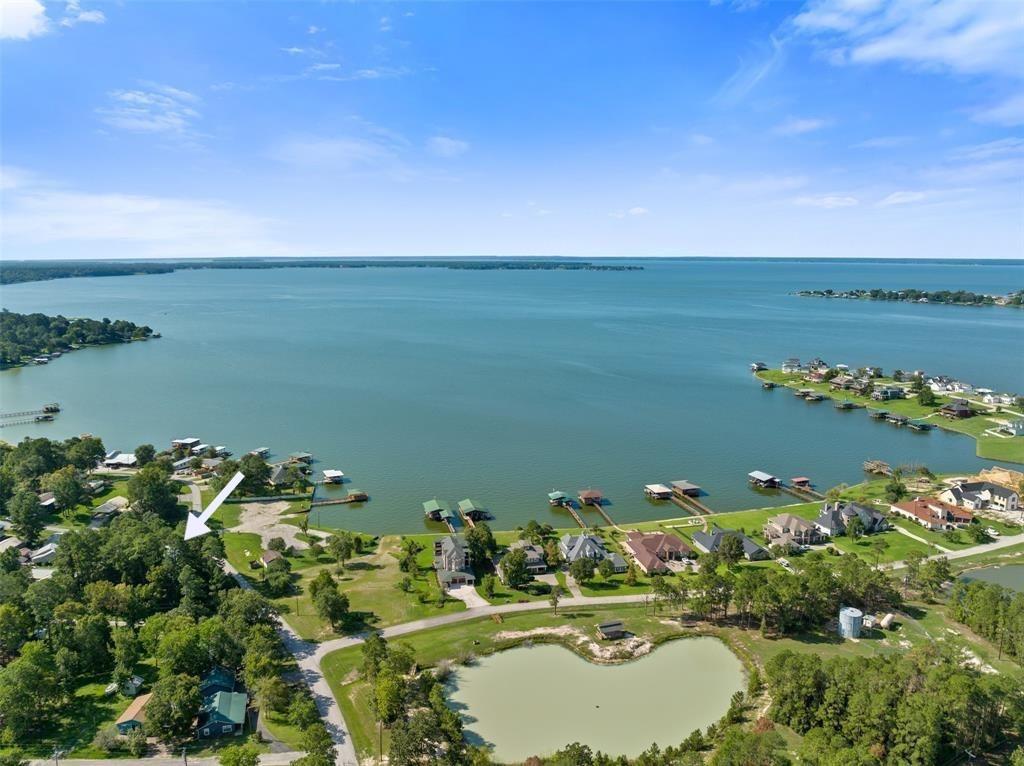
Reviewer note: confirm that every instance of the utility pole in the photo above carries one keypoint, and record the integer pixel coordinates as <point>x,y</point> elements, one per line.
<point>184,753</point>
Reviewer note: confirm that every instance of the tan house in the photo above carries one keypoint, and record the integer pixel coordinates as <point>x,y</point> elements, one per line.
<point>787,528</point>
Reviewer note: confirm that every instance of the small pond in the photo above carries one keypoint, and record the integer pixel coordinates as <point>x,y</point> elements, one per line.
<point>1011,576</point>
<point>535,700</point>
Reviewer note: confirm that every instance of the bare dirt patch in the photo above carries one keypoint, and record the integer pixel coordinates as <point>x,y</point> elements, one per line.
<point>609,652</point>
<point>264,519</point>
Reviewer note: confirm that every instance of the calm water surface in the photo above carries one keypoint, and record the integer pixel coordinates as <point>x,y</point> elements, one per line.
<point>1011,576</point>
<point>511,700</point>
<point>502,386</point>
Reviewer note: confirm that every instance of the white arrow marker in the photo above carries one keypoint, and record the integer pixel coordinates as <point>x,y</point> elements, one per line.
<point>196,525</point>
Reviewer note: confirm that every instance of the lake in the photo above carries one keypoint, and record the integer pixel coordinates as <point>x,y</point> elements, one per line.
<point>1011,576</point>
<point>504,385</point>
<point>535,700</point>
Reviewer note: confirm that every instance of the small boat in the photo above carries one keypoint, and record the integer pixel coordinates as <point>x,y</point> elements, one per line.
<point>768,385</point>
<point>878,414</point>
<point>260,451</point>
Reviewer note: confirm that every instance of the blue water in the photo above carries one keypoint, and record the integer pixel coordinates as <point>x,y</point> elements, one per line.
<point>503,385</point>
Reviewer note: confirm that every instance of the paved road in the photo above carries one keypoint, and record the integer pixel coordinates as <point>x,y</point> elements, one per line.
<point>1002,542</point>
<point>266,759</point>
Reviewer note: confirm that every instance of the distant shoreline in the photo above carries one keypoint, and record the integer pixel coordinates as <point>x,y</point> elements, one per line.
<point>39,271</point>
<point>940,297</point>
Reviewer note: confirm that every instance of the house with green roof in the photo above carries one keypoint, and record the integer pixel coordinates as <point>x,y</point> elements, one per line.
<point>222,714</point>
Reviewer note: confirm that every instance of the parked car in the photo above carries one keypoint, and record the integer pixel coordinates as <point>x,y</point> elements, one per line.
<point>992,532</point>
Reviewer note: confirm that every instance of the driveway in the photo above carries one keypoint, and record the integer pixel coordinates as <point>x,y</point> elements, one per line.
<point>467,594</point>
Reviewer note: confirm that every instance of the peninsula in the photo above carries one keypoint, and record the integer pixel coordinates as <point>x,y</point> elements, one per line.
<point>953,297</point>
<point>38,338</point>
<point>913,399</point>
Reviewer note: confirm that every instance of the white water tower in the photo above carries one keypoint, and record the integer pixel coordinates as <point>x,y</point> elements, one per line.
<point>851,620</point>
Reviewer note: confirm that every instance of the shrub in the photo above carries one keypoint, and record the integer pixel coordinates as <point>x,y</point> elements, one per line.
<point>106,739</point>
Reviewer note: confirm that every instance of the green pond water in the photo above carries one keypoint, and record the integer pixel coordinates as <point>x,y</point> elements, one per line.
<point>535,700</point>
<point>1011,576</point>
<point>503,385</point>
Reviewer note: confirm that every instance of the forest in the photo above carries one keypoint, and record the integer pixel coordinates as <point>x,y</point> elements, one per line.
<point>28,271</point>
<point>28,335</point>
<point>957,297</point>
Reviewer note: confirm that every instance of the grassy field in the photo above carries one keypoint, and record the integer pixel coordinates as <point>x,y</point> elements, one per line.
<point>992,447</point>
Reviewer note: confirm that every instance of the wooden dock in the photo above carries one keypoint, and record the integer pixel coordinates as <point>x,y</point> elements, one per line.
<point>604,514</point>
<point>575,515</point>
<point>802,494</point>
<point>691,504</point>
<point>466,519</point>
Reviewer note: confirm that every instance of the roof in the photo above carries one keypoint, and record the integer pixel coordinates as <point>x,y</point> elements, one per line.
<point>468,505</point>
<point>227,706</point>
<point>612,625</point>
<point>591,494</point>
<point>557,495</point>
<point>434,506</point>
<point>800,480</point>
<point>658,489</point>
<point>789,521</point>
<point>267,556</point>
<point>761,476</point>
<point>712,541</point>
<point>683,484</point>
<point>582,545</point>
<point>929,509</point>
<point>330,473</point>
<point>136,709</point>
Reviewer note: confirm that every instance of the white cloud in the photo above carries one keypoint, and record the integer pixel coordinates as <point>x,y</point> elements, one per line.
<point>883,142</point>
<point>751,72</point>
<point>324,67</point>
<point>374,73</point>
<point>633,212</point>
<point>294,51</point>
<point>1008,113</point>
<point>903,198</point>
<point>344,153</point>
<point>73,14</point>
<point>827,201</point>
<point>37,214</point>
<point>22,19</point>
<point>963,36</point>
<point>443,146</point>
<point>1002,147</point>
<point>385,24</point>
<point>796,126</point>
<point>314,29</point>
<point>701,139</point>
<point>157,109</point>
<point>767,184</point>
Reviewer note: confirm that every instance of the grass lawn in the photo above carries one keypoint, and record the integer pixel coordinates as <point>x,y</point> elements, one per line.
<point>991,447</point>
<point>899,545</point>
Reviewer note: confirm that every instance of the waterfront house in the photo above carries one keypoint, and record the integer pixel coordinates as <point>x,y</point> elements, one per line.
<point>180,466</point>
<point>222,714</point>
<point>134,716</point>
<point>657,491</point>
<point>452,562</point>
<point>611,631</point>
<point>711,542</point>
<point>117,459</point>
<point>841,382</point>
<point>590,497</point>
<point>981,495</point>
<point>278,475</point>
<point>835,517</point>
<point>652,550</point>
<point>199,449</point>
<point>956,410</point>
<point>536,562</point>
<point>573,547</point>
<point>933,514</point>
<point>1013,427</point>
<point>791,365</point>
<point>886,393</point>
<point>763,480</point>
<point>787,529</point>
<point>684,488</point>
<point>269,557</point>
<point>332,476</point>
<point>817,363</point>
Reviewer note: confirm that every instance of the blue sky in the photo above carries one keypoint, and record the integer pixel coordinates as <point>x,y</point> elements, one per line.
<point>828,128</point>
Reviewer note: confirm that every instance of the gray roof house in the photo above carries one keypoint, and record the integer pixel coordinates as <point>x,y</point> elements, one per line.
<point>536,563</point>
<point>710,543</point>
<point>573,547</point>
<point>835,516</point>
<point>979,495</point>
<point>451,562</point>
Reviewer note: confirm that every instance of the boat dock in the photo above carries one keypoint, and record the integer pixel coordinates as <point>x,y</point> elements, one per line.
<point>685,494</point>
<point>800,487</point>
<point>355,496</point>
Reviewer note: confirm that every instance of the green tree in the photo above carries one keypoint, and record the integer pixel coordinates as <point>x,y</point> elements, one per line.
<point>341,547</point>
<point>487,586</point>
<point>749,748</point>
<point>926,397</point>
<point>407,558</point>
<point>239,755</point>
<point>631,576</point>
<point>85,453</point>
<point>144,454</point>
<point>606,569</point>
<point>66,486</point>
<point>854,528</point>
<point>513,568</point>
<point>28,517</point>
<point>388,697</point>
<point>481,543</point>
<point>15,630</point>
<point>555,597</point>
<point>730,550</point>
<point>28,690</point>
<point>332,606</point>
<point>257,475</point>
<point>150,491</point>
<point>582,570</point>
<point>173,706</point>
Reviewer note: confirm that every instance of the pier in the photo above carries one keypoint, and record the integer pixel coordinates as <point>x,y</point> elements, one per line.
<point>691,504</point>
<point>604,514</point>
<point>355,496</point>
<point>46,409</point>
<point>801,493</point>
<point>575,515</point>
